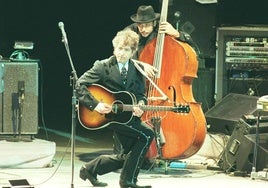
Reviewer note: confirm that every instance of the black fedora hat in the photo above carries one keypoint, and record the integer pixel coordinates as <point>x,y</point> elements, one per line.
<point>145,14</point>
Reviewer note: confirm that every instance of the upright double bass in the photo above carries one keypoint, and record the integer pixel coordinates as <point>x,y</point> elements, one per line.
<point>177,66</point>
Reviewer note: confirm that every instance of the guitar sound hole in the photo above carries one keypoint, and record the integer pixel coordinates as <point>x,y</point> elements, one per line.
<point>117,107</point>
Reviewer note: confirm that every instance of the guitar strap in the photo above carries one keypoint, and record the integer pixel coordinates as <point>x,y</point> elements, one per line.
<point>137,65</point>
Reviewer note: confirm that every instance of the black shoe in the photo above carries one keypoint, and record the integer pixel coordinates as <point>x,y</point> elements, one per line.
<point>127,184</point>
<point>84,174</point>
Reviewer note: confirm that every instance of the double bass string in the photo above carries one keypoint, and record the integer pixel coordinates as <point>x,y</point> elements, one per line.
<point>157,63</point>
<point>184,134</point>
<point>158,55</point>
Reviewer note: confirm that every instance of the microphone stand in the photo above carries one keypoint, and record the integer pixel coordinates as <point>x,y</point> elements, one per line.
<point>177,16</point>
<point>255,152</point>
<point>21,101</point>
<point>73,79</point>
<point>177,24</point>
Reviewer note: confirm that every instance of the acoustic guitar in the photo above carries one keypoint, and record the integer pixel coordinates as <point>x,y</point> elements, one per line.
<point>122,103</point>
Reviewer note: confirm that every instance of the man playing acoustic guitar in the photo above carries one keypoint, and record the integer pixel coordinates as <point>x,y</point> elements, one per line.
<point>117,73</point>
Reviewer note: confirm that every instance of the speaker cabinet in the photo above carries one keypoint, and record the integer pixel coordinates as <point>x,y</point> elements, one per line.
<point>239,152</point>
<point>222,117</point>
<point>19,98</point>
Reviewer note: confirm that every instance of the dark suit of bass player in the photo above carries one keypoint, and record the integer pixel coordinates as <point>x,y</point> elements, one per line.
<point>135,137</point>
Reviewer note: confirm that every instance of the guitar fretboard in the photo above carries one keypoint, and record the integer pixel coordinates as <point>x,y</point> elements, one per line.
<point>180,108</point>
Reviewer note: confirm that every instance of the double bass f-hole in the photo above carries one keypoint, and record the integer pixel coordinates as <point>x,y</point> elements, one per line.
<point>174,94</point>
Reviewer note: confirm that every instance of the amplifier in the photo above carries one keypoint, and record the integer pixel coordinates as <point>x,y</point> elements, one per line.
<point>19,98</point>
<point>242,53</point>
<point>246,53</point>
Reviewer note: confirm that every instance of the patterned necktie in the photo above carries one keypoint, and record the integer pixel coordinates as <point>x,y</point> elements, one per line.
<point>124,74</point>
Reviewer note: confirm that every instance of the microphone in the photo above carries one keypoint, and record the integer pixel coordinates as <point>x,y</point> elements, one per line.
<point>21,90</point>
<point>177,16</point>
<point>64,37</point>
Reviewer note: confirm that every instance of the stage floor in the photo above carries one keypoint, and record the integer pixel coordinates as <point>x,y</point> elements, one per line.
<point>63,169</point>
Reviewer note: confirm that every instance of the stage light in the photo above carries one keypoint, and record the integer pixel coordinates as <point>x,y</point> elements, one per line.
<point>20,53</point>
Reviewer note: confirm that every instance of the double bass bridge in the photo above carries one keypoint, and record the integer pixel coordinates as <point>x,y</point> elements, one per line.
<point>153,98</point>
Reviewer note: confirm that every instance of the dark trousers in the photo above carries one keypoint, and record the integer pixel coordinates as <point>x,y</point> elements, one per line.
<point>135,139</point>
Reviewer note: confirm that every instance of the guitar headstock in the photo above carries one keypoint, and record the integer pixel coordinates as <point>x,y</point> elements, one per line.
<point>181,108</point>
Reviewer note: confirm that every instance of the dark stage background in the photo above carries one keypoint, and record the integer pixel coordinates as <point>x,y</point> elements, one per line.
<point>90,26</point>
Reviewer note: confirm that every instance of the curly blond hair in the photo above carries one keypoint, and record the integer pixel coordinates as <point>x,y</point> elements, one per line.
<point>126,37</point>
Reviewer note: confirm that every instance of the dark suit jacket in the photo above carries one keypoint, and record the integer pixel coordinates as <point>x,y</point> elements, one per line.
<point>106,73</point>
